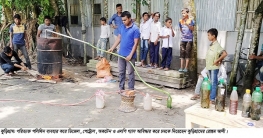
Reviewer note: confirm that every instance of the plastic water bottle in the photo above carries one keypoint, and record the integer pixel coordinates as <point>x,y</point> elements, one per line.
<point>233,102</point>
<point>220,96</point>
<point>256,104</point>
<point>246,106</point>
<point>147,102</point>
<point>205,93</point>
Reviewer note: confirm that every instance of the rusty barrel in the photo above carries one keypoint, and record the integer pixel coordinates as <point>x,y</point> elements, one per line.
<point>49,56</point>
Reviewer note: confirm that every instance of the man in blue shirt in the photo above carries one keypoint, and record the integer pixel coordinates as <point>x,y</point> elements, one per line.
<point>116,18</point>
<point>128,38</point>
<point>18,38</point>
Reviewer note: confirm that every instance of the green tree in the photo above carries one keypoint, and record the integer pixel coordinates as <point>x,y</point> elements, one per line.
<point>240,37</point>
<point>250,69</point>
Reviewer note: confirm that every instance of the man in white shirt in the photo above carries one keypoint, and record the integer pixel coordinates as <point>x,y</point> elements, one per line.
<point>145,28</point>
<point>154,40</point>
<point>46,26</point>
<point>167,33</point>
<point>104,36</point>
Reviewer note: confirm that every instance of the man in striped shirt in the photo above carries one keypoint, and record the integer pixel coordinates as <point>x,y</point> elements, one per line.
<point>18,38</point>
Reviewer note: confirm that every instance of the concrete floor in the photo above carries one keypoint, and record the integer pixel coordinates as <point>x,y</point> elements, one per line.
<point>35,115</point>
<point>32,115</point>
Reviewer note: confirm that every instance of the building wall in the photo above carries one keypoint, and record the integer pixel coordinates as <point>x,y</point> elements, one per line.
<point>218,14</point>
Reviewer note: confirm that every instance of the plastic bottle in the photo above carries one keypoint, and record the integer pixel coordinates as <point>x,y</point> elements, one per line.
<point>147,102</point>
<point>169,102</point>
<point>100,99</point>
<point>205,93</point>
<point>220,96</point>
<point>256,104</point>
<point>233,102</point>
<point>99,102</point>
<point>246,106</point>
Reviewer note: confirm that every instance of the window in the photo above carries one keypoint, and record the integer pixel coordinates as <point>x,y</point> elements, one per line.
<point>252,6</point>
<point>97,14</point>
<point>74,13</point>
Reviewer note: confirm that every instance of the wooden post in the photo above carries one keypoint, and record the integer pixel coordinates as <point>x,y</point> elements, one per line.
<point>68,48</point>
<point>148,54</point>
<point>193,60</point>
<point>138,17</point>
<point>92,25</point>
<point>240,36</point>
<point>106,16</point>
<point>250,69</point>
<point>83,30</point>
<point>166,8</point>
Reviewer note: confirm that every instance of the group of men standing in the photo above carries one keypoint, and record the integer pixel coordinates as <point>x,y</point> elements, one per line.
<point>150,34</point>
<point>19,41</point>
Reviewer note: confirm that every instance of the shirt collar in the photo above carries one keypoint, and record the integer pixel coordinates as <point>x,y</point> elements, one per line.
<point>213,43</point>
<point>117,14</point>
<point>129,26</point>
<point>18,25</point>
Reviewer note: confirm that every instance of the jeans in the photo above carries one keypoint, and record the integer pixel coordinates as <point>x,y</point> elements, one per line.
<point>198,85</point>
<point>7,68</point>
<point>102,43</point>
<point>167,57</point>
<point>118,46</point>
<point>154,53</point>
<point>24,52</point>
<point>123,64</point>
<point>214,82</point>
<point>144,49</point>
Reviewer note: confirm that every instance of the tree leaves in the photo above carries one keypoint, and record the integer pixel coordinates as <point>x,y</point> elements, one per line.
<point>20,6</point>
<point>143,2</point>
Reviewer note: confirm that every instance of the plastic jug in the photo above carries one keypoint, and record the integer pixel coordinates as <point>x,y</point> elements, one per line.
<point>246,104</point>
<point>100,99</point>
<point>147,102</point>
<point>205,93</point>
<point>233,102</point>
<point>256,104</point>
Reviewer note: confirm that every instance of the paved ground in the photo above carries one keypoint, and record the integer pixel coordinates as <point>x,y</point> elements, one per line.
<point>19,114</point>
<point>31,115</point>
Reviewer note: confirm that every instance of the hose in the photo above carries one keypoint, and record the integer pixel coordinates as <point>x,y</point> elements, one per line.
<point>169,99</point>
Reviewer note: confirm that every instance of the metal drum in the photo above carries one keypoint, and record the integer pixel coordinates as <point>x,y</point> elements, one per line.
<point>49,56</point>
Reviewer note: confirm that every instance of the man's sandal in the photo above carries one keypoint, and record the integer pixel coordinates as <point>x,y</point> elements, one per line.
<point>195,97</point>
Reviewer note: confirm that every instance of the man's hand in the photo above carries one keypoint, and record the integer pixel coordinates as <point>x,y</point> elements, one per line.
<point>155,43</point>
<point>27,44</point>
<point>217,63</point>
<point>167,36</point>
<point>252,56</point>
<point>11,46</point>
<point>113,26</point>
<point>149,41</point>
<point>128,58</point>
<point>24,68</point>
<point>110,50</point>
